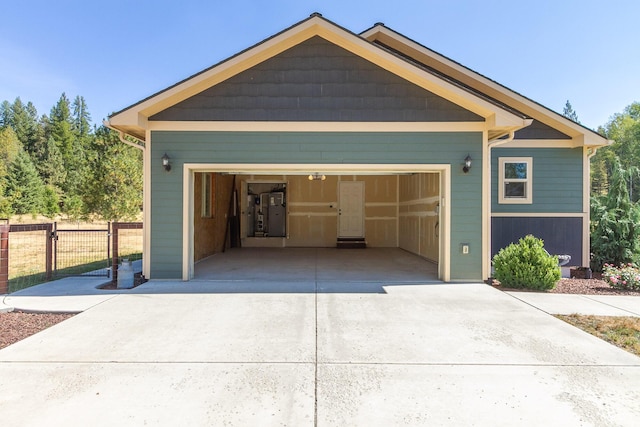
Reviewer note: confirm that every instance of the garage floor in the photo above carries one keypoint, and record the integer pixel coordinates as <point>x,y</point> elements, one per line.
<point>313,269</point>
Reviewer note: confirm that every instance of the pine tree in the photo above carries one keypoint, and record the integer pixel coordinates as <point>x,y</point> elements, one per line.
<point>615,226</point>
<point>569,112</point>
<point>81,118</point>
<point>51,166</point>
<point>5,114</point>
<point>60,128</point>
<point>24,188</point>
<point>624,129</point>
<point>9,148</point>
<point>24,121</point>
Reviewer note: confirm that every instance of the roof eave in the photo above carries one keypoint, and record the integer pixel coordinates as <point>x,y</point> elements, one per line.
<point>133,120</point>
<point>526,105</point>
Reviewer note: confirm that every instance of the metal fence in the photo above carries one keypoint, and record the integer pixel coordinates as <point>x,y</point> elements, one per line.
<point>35,253</point>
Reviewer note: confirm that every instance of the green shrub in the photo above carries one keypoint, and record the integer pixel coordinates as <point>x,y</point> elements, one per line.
<point>526,265</point>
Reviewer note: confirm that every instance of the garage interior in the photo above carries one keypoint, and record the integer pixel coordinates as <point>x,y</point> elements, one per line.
<point>245,225</point>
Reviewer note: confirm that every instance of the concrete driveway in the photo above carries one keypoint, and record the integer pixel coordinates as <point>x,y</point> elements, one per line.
<point>203,353</point>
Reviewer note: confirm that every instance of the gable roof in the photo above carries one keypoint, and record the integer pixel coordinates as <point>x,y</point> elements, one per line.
<point>503,110</point>
<point>440,64</point>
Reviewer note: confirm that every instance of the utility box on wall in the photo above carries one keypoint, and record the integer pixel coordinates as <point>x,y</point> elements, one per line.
<point>266,210</point>
<point>277,215</point>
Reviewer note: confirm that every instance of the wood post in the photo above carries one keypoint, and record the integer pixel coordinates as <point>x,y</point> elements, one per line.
<point>4,259</point>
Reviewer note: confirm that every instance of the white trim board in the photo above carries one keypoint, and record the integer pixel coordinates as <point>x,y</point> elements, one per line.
<point>444,266</point>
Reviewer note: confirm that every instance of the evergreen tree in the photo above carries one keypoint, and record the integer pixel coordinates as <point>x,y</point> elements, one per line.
<point>569,112</point>
<point>5,114</point>
<point>51,166</point>
<point>24,121</point>
<point>9,148</point>
<point>60,128</point>
<point>81,118</point>
<point>51,201</point>
<point>24,188</point>
<point>615,222</point>
<point>624,129</point>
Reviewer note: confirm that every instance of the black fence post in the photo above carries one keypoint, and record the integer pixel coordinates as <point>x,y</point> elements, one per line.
<point>49,252</point>
<point>114,265</point>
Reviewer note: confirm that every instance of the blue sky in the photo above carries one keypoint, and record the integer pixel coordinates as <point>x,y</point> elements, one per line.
<point>118,52</point>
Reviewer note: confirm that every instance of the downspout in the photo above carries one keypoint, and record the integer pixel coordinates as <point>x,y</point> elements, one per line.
<point>497,141</point>
<point>122,139</point>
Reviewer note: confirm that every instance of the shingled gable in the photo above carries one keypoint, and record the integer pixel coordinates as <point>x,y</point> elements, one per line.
<point>444,95</point>
<point>546,125</point>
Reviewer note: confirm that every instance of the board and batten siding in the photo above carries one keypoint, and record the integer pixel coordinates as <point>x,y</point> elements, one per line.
<point>281,148</point>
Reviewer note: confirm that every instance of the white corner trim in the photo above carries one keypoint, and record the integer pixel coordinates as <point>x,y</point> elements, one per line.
<point>187,220</point>
<point>189,169</point>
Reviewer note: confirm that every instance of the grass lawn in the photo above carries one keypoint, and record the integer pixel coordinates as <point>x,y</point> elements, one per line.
<point>623,332</point>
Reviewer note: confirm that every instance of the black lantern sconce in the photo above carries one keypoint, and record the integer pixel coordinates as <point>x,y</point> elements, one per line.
<point>165,162</point>
<point>467,164</point>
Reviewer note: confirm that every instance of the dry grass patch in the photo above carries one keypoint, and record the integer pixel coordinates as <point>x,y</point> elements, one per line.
<point>623,332</point>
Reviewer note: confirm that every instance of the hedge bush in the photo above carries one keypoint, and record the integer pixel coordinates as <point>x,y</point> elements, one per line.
<point>526,264</point>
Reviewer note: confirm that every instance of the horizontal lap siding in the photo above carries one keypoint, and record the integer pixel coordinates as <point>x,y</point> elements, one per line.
<point>326,147</point>
<point>557,180</point>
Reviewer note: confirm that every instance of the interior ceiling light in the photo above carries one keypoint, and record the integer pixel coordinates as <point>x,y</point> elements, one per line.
<point>317,177</point>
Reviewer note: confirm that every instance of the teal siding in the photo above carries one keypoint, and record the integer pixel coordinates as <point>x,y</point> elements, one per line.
<point>325,147</point>
<point>557,180</point>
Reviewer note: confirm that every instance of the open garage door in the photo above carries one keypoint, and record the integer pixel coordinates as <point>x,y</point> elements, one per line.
<point>390,206</point>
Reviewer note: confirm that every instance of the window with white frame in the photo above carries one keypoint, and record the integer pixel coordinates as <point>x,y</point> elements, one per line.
<point>206,195</point>
<point>516,178</point>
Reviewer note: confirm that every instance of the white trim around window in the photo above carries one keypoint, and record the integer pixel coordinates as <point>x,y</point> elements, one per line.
<point>515,180</point>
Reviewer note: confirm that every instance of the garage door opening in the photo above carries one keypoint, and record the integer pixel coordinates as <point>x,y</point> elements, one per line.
<point>403,210</point>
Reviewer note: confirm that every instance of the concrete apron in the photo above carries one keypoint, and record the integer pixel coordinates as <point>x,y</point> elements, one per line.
<point>415,355</point>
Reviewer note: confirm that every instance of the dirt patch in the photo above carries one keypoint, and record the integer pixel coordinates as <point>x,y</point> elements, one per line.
<point>18,325</point>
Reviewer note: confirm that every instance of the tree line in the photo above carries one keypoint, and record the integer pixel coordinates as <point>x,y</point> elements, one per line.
<point>62,164</point>
<point>615,190</point>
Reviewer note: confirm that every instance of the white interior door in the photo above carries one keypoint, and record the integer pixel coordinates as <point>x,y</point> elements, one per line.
<point>351,209</point>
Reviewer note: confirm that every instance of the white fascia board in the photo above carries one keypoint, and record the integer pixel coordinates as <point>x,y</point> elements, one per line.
<point>508,96</point>
<point>541,143</point>
<point>217,73</point>
<point>289,38</point>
